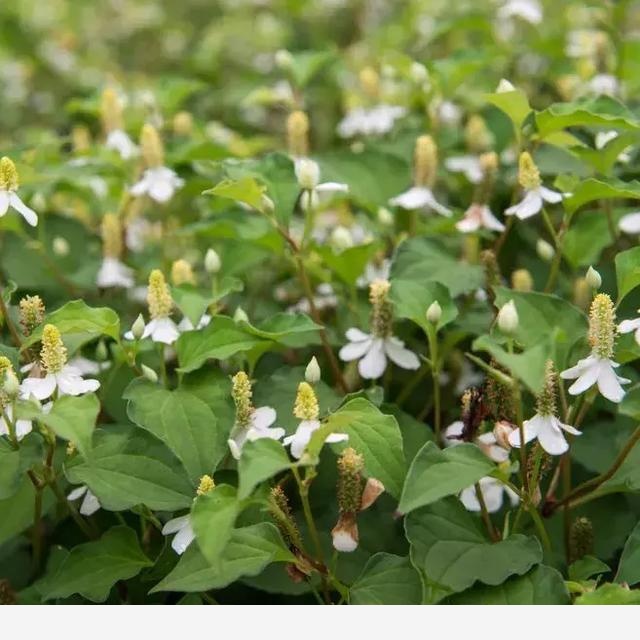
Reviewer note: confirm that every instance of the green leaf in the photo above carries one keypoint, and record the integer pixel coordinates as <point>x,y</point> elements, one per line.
<point>387,579</point>
<point>609,594</point>
<point>629,567</point>
<point>73,418</point>
<point>212,517</point>
<point>542,585</point>
<point>514,103</point>
<point>586,567</point>
<point>545,317</point>
<point>627,272</point>
<point>248,552</point>
<point>436,473</point>
<point>601,111</point>
<point>306,64</point>
<point>283,327</point>
<point>449,547</point>
<point>412,298</point>
<point>246,190</point>
<point>260,460</point>
<point>16,510</point>
<point>78,322</point>
<point>349,264</point>
<point>424,260</point>
<point>128,467</point>
<point>593,189</point>
<point>186,424</point>
<point>373,435</point>
<point>603,160</point>
<point>91,569</point>
<point>194,303</point>
<point>10,471</point>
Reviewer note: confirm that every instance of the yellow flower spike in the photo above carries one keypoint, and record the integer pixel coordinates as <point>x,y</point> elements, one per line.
<point>350,466</point>
<point>298,134</point>
<point>111,111</point>
<point>425,161</point>
<point>158,296</point>
<point>111,231</point>
<point>182,273</point>
<point>521,280</point>
<point>152,147</point>
<point>183,123</point>
<point>528,173</point>
<point>53,354</point>
<point>207,485</point>
<point>370,82</point>
<point>8,175</point>
<point>306,406</point>
<point>477,136</point>
<point>242,393</point>
<point>31,311</point>
<point>546,401</point>
<point>602,326</point>
<point>381,319</point>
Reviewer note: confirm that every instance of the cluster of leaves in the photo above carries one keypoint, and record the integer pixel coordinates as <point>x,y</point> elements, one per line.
<point>281,274</point>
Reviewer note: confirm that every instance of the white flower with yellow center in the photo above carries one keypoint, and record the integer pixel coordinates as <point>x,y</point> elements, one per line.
<point>307,409</point>
<point>372,350</point>
<point>599,368</point>
<point>59,376</point>
<point>8,195</point>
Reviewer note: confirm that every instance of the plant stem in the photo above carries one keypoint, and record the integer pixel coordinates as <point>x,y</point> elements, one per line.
<point>15,335</point>
<point>486,518</point>
<point>62,500</point>
<point>36,533</point>
<point>432,337</point>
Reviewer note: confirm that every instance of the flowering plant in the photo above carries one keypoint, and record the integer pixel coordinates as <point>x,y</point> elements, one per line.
<point>352,323</point>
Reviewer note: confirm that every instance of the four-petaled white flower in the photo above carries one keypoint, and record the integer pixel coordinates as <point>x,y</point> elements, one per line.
<point>185,534</point>
<point>596,370</point>
<point>22,427</point>
<point>162,329</point>
<point>493,492</point>
<point>627,326</point>
<point>159,183</point>
<point>373,351</point>
<point>533,201</point>
<point>90,504</point>
<point>113,273</point>
<point>68,382</point>
<point>419,198</point>
<point>374,121</point>
<point>300,439</point>
<point>548,431</point>
<point>259,427</point>
<point>479,216</point>
<point>119,141</point>
<point>8,195</point>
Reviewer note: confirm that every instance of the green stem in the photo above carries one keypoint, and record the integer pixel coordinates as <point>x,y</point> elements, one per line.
<point>486,518</point>
<point>77,518</point>
<point>432,337</point>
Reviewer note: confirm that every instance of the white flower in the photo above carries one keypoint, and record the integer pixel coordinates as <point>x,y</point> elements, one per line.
<point>90,504</point>
<point>119,141</point>
<point>68,381</point>
<point>325,298</point>
<point>88,367</point>
<point>114,273</point>
<point>548,430</point>
<point>377,120</point>
<point>469,165</point>
<point>308,175</point>
<point>372,351</point>
<point>419,198</point>
<point>22,427</point>
<point>486,442</point>
<point>449,113</point>
<point>186,325</point>
<point>479,216</point>
<point>604,137</point>
<point>300,439</point>
<point>162,329</point>
<point>493,493</point>
<point>184,533</point>
<point>159,183</point>
<point>627,326</point>
<point>533,201</point>
<point>528,10</point>
<point>9,198</point>
<point>594,370</point>
<point>374,271</point>
<point>259,427</point>
<point>604,84</point>
<point>630,223</point>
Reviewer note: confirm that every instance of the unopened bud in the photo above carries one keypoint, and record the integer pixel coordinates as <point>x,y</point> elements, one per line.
<point>152,147</point>
<point>149,373</point>
<point>212,262</point>
<point>60,247</point>
<point>11,385</point>
<point>593,278</point>
<point>582,293</point>
<point>307,173</point>
<point>298,134</point>
<point>240,315</point>
<point>501,432</point>
<point>370,82</point>
<point>419,73</point>
<point>341,238</point>
<point>521,280</point>
<point>102,353</point>
<point>183,123</point>
<point>504,86</point>
<point>544,250</point>
<point>312,373</point>
<point>434,312</point>
<point>425,161</point>
<point>137,328</point>
<point>508,318</point>
<point>385,217</point>
<point>182,273</point>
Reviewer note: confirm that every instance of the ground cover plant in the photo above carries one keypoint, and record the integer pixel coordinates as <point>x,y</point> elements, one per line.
<point>330,302</point>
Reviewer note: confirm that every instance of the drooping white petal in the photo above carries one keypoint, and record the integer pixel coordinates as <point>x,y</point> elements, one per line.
<point>119,141</point>
<point>586,379</point>
<point>355,335</point>
<point>627,326</point>
<point>609,382</point>
<point>174,525</point>
<point>333,187</point>
<point>414,198</point>
<point>114,273</point>
<point>343,541</point>
<point>527,207</point>
<point>578,369</point>
<point>263,417</point>
<point>399,354</point>
<point>355,350</point>
<point>550,436</point>
<point>549,195</point>
<point>28,214</point>
<point>628,224</point>
<point>23,427</point>
<point>141,187</point>
<point>300,439</point>
<point>162,330</point>
<point>41,388</point>
<point>332,438</point>
<point>78,492</point>
<point>489,221</point>
<point>530,428</point>
<point>183,538</point>
<point>234,448</point>
<point>90,504</point>
<point>452,431</point>
<point>469,165</point>
<point>374,363</point>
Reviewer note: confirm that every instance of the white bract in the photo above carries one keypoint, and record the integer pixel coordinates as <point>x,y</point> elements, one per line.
<point>90,504</point>
<point>533,201</point>
<point>630,223</point>
<point>627,326</point>
<point>8,195</point>
<point>113,273</point>
<point>479,216</point>
<point>22,427</point>
<point>376,120</point>
<point>159,183</point>
<point>259,427</point>
<point>119,141</point>
<point>300,439</point>
<point>486,442</point>
<point>184,533</point>
<point>163,330</point>
<point>596,370</point>
<point>419,198</point>
<point>68,381</point>
<point>493,492</point>
<point>547,429</point>
<point>468,165</point>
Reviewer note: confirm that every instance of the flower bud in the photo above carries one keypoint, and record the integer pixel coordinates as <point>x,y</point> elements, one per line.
<point>240,315</point>
<point>312,373</point>
<point>183,123</point>
<point>137,328</point>
<point>582,293</point>
<point>580,539</point>
<point>434,312</point>
<point>593,278</point>
<point>544,250</point>
<point>152,147</point>
<point>521,280</point>
<point>307,173</point>
<point>298,134</point>
<point>504,86</point>
<point>425,161</point>
<point>11,384</point>
<point>212,262</point>
<point>283,59</point>
<point>111,111</point>
<point>341,238</point>
<point>102,353</point>
<point>501,431</point>
<point>60,247</point>
<point>508,318</point>
<point>385,217</point>
<point>111,231</point>
<point>182,273</point>
<point>149,373</point>
<point>370,82</point>
<point>419,73</point>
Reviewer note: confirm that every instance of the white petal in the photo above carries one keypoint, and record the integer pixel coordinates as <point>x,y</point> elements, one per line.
<point>70,383</point>
<point>174,525</point>
<point>301,437</point>
<point>454,429</point>
<point>343,541</point>
<point>113,273</point>
<point>141,187</point>
<point>28,214</point>
<point>527,207</point>
<point>469,499</point>
<point>550,196</point>
<point>568,428</point>
<point>489,221</point>
<point>627,326</point>
<point>629,223</point>
<point>468,224</point>
<point>550,436</point>
<point>333,187</point>
<point>4,201</point>
<point>332,438</point>
<point>41,388</point>
<point>580,367</point>
<point>234,448</point>
<point>355,335</point>
<point>609,383</point>
<point>400,355</point>
<point>183,539</point>
<point>23,427</point>
<point>263,417</point>
<point>414,198</point>
<point>530,428</point>
<point>162,330</point>
<point>586,379</point>
<point>493,494</point>
<point>89,505</point>
<point>78,492</point>
<point>372,366</point>
<point>354,350</point>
